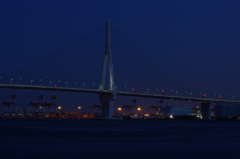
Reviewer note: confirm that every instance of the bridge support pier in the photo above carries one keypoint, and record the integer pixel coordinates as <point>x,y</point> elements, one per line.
<point>107,104</point>
<point>205,107</point>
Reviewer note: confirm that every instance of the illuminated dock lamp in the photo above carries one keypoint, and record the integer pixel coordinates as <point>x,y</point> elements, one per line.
<point>59,107</point>
<point>79,108</point>
<point>139,109</point>
<point>119,109</point>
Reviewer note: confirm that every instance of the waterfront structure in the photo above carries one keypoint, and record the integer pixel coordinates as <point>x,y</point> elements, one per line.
<point>227,111</point>
<point>171,111</point>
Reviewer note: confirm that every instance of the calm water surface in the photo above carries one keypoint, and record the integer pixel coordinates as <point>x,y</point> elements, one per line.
<point>48,138</point>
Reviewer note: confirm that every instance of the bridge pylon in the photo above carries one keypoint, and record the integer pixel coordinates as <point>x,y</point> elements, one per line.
<point>107,101</point>
<point>205,107</point>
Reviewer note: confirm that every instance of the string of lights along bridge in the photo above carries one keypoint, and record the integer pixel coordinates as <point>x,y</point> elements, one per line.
<point>104,62</point>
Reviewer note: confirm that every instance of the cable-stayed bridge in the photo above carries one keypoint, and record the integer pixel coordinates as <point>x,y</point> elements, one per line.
<point>80,67</point>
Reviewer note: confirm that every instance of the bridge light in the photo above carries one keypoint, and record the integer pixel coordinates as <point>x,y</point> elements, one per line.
<point>79,108</point>
<point>138,108</point>
<point>59,107</point>
<point>119,109</point>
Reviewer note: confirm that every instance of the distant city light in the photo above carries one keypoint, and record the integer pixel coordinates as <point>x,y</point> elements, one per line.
<point>79,107</point>
<point>138,108</point>
<point>119,108</point>
<point>59,107</point>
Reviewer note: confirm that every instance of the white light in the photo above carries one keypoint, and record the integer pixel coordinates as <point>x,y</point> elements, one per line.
<point>171,116</point>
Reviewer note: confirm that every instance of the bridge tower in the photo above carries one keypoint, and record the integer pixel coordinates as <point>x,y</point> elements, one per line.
<point>205,108</point>
<point>107,101</point>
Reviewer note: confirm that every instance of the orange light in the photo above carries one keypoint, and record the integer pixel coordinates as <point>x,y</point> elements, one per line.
<point>119,108</point>
<point>59,107</point>
<point>79,107</point>
<point>138,108</point>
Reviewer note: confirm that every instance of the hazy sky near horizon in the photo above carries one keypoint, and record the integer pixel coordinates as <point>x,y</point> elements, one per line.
<point>196,41</point>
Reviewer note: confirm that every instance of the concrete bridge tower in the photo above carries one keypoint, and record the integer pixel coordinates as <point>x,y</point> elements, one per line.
<point>107,101</point>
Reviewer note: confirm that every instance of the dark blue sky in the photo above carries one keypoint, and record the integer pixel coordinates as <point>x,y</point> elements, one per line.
<point>196,41</point>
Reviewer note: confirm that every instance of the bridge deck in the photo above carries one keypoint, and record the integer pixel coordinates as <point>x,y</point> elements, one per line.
<point>67,89</point>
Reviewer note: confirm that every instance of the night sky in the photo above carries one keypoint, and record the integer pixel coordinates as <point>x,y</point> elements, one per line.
<point>196,41</point>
